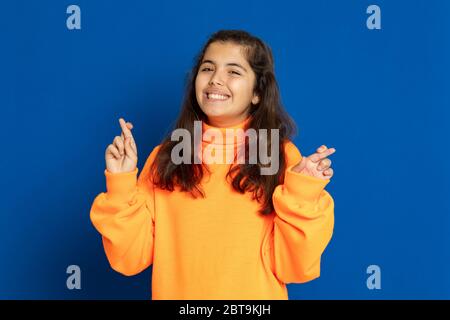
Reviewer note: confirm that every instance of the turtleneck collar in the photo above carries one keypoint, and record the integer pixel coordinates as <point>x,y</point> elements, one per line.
<point>209,139</point>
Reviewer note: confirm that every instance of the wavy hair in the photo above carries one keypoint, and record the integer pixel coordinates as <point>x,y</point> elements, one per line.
<point>268,113</point>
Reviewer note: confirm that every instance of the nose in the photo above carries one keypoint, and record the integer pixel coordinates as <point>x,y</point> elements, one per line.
<point>216,79</point>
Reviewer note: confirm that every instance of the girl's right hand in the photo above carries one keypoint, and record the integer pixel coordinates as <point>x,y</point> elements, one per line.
<point>121,155</point>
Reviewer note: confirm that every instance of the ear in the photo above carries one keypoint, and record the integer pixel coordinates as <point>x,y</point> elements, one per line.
<point>255,99</point>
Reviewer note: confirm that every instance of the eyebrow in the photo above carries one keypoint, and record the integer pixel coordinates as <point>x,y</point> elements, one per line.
<point>228,64</point>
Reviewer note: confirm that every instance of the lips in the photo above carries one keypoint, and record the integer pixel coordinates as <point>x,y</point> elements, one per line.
<point>216,95</point>
<point>216,90</point>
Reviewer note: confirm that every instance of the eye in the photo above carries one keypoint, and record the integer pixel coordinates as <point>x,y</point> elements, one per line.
<point>235,72</point>
<point>206,69</point>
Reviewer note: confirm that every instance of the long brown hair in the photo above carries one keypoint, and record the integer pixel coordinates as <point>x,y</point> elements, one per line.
<point>268,113</point>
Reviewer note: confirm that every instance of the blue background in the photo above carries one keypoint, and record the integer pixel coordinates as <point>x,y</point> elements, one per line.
<point>380,97</point>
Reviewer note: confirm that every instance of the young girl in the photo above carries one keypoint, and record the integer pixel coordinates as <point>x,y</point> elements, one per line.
<point>219,230</point>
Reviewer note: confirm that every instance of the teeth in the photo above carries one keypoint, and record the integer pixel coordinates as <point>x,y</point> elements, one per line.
<point>217,96</point>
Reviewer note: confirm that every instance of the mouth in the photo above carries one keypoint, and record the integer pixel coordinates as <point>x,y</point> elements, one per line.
<point>215,97</point>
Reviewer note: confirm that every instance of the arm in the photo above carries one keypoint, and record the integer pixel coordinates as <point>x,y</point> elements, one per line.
<point>303,223</point>
<point>124,216</point>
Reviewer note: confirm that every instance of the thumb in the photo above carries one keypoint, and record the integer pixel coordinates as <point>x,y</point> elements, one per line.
<point>302,164</point>
<point>315,157</point>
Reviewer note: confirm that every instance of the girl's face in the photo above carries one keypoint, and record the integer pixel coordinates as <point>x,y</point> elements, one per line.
<point>224,84</point>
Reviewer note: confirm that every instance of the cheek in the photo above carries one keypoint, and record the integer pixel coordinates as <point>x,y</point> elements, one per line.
<point>241,89</point>
<point>198,82</point>
<point>199,85</point>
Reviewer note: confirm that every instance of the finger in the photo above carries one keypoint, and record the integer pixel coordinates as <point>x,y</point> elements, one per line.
<point>129,126</point>
<point>324,164</point>
<point>321,148</point>
<point>113,150</point>
<point>119,143</point>
<point>133,145</point>
<point>316,157</point>
<point>328,173</point>
<point>125,130</point>
<point>128,149</point>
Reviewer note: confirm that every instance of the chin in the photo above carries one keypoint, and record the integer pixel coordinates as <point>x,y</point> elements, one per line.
<point>215,111</point>
<point>216,115</point>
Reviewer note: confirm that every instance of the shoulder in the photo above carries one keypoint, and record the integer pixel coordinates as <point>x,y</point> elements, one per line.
<point>150,159</point>
<point>292,153</point>
<point>154,153</point>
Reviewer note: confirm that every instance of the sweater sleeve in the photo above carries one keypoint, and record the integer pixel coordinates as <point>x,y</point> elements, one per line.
<point>303,223</point>
<point>124,216</point>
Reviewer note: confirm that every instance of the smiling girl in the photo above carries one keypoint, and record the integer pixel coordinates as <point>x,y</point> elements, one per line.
<point>219,230</point>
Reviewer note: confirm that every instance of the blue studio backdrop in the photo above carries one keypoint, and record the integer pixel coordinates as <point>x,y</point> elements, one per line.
<point>379,96</point>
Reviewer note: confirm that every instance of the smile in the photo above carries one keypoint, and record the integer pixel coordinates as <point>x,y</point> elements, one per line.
<point>216,97</point>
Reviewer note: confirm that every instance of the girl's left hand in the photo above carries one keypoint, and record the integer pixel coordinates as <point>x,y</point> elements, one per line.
<point>316,165</point>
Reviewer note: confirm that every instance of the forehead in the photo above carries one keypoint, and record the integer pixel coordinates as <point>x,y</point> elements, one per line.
<point>223,52</point>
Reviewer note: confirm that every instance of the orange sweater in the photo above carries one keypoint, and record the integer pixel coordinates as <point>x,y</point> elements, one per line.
<point>217,247</point>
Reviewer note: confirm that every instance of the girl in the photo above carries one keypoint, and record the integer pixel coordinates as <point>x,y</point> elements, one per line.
<point>219,230</point>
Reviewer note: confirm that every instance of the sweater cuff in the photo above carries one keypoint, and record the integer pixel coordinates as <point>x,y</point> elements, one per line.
<point>302,186</point>
<point>120,185</point>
